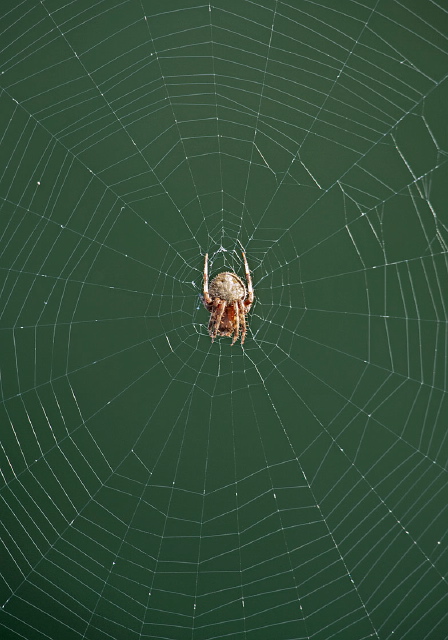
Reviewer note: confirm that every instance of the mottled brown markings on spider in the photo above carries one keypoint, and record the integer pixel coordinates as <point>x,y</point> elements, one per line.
<point>228,287</point>
<point>228,301</point>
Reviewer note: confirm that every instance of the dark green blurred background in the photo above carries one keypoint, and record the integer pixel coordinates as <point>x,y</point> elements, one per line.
<point>156,485</point>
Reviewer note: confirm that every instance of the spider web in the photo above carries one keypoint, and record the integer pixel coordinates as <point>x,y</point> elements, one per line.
<point>156,485</point>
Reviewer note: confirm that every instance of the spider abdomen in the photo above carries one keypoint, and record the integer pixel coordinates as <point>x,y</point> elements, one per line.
<point>227,286</point>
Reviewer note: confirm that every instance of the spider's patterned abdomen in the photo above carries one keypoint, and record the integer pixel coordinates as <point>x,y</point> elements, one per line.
<point>227,286</point>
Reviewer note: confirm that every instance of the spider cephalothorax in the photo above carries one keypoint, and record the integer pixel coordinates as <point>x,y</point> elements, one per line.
<point>228,302</point>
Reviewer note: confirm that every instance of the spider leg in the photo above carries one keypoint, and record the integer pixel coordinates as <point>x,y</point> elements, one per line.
<point>236,308</point>
<point>207,297</point>
<point>219,306</point>
<point>250,290</point>
<point>243,320</point>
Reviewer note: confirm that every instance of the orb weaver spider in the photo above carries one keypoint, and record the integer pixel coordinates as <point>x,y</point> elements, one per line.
<point>228,301</point>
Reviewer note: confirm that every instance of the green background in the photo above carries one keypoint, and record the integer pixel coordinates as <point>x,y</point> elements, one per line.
<point>156,485</point>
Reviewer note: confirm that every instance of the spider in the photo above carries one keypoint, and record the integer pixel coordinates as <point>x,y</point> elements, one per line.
<point>228,302</point>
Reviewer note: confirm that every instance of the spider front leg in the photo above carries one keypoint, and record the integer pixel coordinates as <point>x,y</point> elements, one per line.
<point>236,310</point>
<point>250,290</point>
<point>207,297</point>
<point>243,311</point>
<point>218,308</point>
